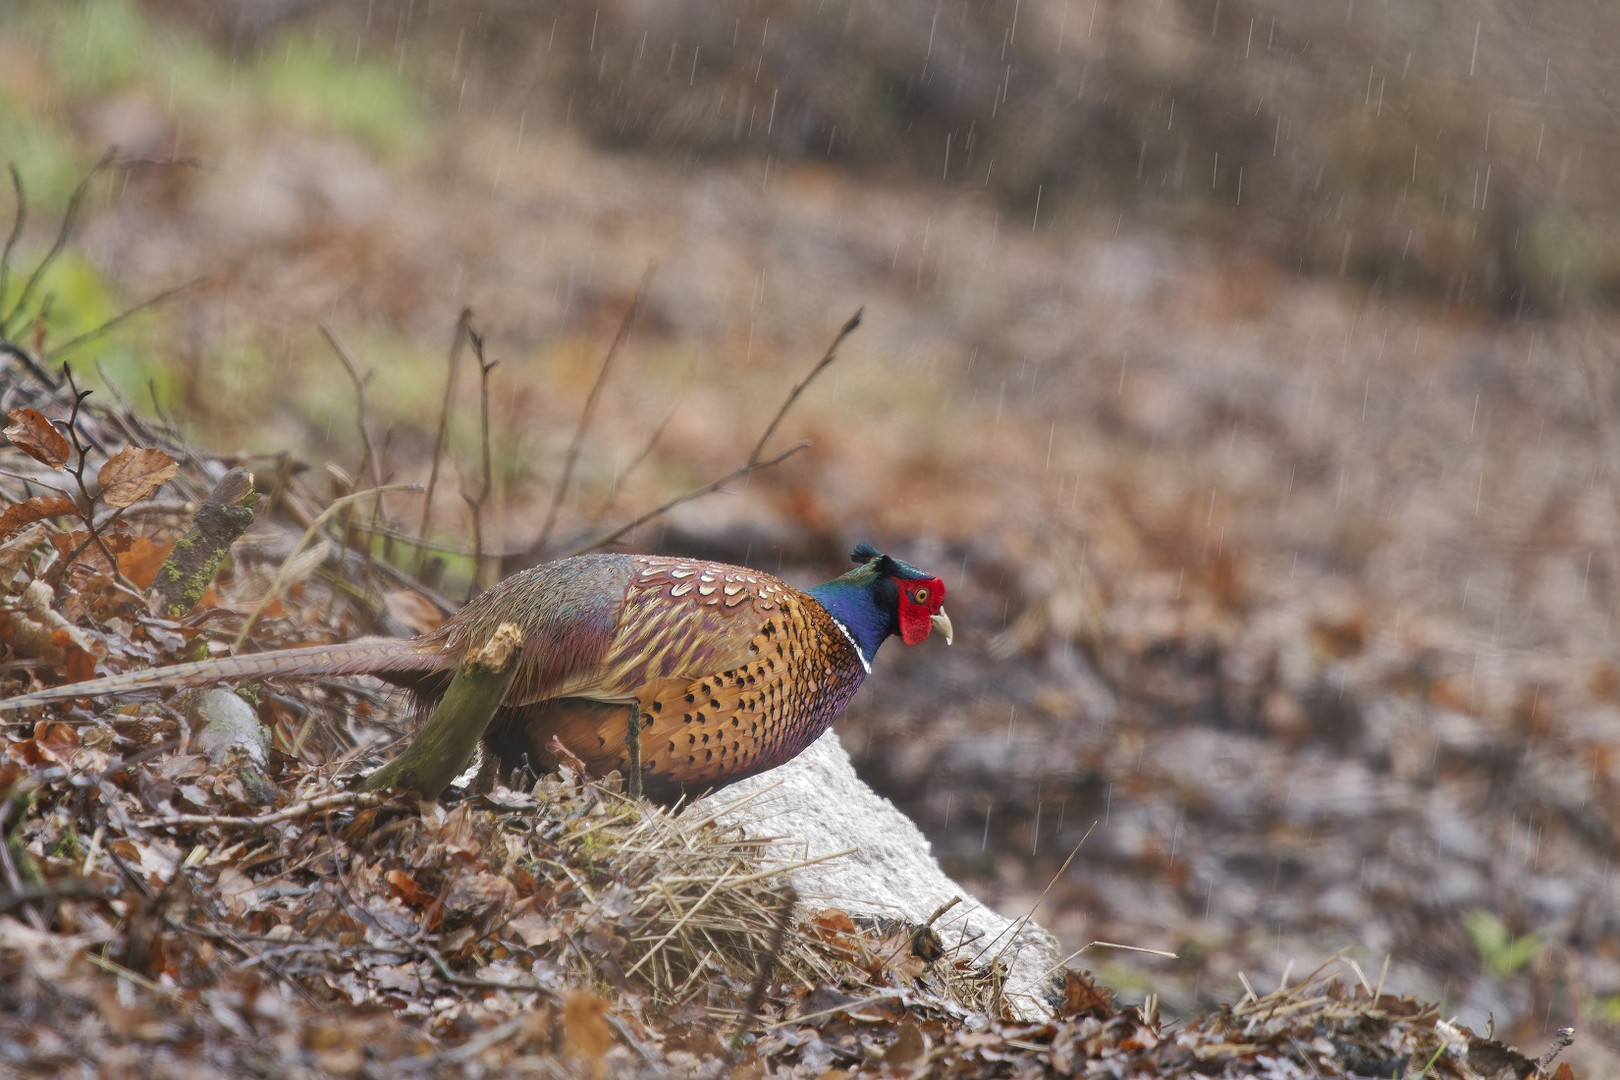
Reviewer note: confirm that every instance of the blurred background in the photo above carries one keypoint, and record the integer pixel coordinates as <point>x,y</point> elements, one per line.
<point>1247,370</point>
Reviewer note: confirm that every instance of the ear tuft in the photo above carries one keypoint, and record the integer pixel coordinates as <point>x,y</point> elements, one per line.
<point>864,553</point>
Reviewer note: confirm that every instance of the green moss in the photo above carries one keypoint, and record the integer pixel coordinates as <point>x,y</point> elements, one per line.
<point>68,846</point>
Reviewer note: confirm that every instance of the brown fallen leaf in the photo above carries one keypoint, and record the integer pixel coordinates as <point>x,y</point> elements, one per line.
<point>133,474</point>
<point>587,1036</point>
<point>413,609</point>
<point>17,515</point>
<point>143,560</point>
<point>405,887</point>
<point>35,630</point>
<point>37,437</point>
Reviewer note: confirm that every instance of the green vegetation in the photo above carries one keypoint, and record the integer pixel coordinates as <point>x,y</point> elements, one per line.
<point>1502,953</point>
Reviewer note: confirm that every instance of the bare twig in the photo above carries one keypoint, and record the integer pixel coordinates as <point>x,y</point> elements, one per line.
<point>755,461</point>
<point>362,418</point>
<point>477,504</point>
<point>827,358</point>
<point>572,458</point>
<point>463,329</point>
<point>18,220</point>
<point>635,462</point>
<point>112,323</point>
<point>319,804</point>
<point>87,500</point>
<point>62,233</point>
<point>686,497</point>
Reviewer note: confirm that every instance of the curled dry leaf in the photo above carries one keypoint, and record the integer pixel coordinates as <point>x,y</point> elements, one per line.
<point>16,551</point>
<point>133,474</point>
<point>20,514</point>
<point>35,630</point>
<point>37,437</point>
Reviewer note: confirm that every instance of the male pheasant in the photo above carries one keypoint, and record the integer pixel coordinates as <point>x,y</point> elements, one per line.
<point>730,671</point>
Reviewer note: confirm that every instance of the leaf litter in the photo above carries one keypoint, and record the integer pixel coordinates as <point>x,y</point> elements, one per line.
<point>159,917</point>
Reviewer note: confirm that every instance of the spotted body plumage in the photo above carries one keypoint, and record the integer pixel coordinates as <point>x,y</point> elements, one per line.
<point>730,670</point>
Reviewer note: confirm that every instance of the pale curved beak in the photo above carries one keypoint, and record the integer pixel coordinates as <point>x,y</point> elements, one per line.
<point>942,623</point>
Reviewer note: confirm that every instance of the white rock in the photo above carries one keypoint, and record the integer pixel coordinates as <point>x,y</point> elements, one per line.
<point>816,805</point>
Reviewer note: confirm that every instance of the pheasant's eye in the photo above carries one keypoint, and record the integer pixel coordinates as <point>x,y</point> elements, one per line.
<point>920,596</point>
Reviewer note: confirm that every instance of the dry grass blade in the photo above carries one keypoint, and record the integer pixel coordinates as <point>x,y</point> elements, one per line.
<point>280,580</point>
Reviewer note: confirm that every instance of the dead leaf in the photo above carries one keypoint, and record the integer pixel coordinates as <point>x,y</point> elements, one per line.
<point>17,515</point>
<point>533,928</point>
<point>908,1046</point>
<point>479,893</point>
<point>143,560</point>
<point>587,1037</point>
<point>413,609</point>
<point>133,474</point>
<point>1083,997</point>
<point>16,552</point>
<point>37,437</point>
<point>405,887</point>
<point>35,630</point>
<point>237,892</point>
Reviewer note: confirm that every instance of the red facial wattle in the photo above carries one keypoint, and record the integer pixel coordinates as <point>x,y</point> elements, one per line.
<point>922,609</point>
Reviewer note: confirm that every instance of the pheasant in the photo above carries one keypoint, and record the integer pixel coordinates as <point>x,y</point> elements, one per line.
<point>725,671</point>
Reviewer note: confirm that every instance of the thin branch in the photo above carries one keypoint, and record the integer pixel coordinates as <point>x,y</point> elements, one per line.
<point>87,502</point>
<point>477,504</point>
<point>8,348</point>
<point>827,358</point>
<point>107,327</point>
<point>19,219</point>
<point>754,462</point>
<point>373,458</point>
<point>696,493</point>
<point>463,329</point>
<point>316,805</point>
<point>484,368</point>
<point>572,459</point>
<point>60,242</point>
<point>635,462</point>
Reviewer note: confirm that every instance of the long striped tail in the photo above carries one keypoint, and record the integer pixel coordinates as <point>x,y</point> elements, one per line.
<point>368,656</point>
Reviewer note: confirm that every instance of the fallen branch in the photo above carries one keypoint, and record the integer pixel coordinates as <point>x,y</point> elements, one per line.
<point>220,521</point>
<point>445,745</point>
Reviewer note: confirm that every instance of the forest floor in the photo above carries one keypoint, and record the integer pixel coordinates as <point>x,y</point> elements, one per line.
<point>1288,604</point>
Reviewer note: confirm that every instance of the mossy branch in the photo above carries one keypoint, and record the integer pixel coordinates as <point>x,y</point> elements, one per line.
<point>444,746</point>
<point>221,519</point>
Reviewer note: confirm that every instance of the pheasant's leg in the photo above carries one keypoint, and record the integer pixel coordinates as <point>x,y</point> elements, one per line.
<point>633,781</point>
